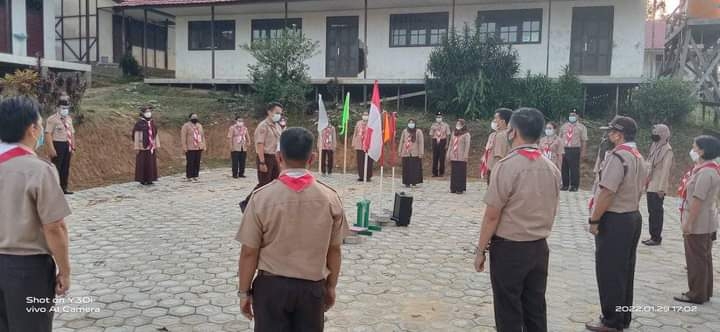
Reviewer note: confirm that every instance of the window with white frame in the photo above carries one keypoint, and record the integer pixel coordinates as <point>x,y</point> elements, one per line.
<point>523,26</point>
<point>200,32</point>
<point>427,29</point>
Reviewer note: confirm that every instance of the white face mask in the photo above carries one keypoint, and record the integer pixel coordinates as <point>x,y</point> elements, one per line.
<point>147,115</point>
<point>64,111</point>
<point>458,127</point>
<point>240,123</point>
<point>276,117</point>
<point>549,131</point>
<point>493,126</point>
<point>572,119</point>
<point>411,125</point>
<point>694,156</point>
<point>365,117</point>
<point>438,120</point>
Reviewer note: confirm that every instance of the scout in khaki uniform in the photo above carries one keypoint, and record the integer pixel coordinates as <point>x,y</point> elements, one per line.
<point>439,133</point>
<point>327,143</point>
<point>357,143</point>
<point>146,143</point>
<point>61,141</point>
<point>551,145</point>
<point>699,217</point>
<point>660,162</point>
<point>458,154</point>
<point>497,146</point>
<point>411,150</point>
<point>192,137</point>
<point>522,202</point>
<point>34,261</point>
<point>616,223</point>
<point>575,139</point>
<point>239,137</point>
<point>291,235</point>
<point>267,145</point>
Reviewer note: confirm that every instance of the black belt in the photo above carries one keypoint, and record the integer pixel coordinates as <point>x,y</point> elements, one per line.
<point>263,273</point>
<point>498,239</point>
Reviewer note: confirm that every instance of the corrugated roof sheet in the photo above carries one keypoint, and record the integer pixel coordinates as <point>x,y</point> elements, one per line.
<point>136,3</point>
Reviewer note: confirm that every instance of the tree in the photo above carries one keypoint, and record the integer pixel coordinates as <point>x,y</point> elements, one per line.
<point>469,75</point>
<point>280,72</point>
<point>663,100</point>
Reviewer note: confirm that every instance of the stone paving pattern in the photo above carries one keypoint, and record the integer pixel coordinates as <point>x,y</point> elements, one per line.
<point>163,259</point>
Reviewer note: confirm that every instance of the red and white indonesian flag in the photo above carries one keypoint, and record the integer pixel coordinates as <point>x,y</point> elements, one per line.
<point>374,137</point>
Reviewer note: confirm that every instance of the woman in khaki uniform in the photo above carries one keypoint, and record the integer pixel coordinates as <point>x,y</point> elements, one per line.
<point>357,143</point>
<point>458,153</point>
<point>146,143</point>
<point>192,137</point>
<point>412,148</point>
<point>698,215</point>
<point>551,145</point>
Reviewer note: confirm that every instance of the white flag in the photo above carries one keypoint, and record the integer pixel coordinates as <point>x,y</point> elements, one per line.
<point>322,115</point>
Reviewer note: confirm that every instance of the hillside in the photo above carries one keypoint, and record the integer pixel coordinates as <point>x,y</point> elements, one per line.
<point>105,149</point>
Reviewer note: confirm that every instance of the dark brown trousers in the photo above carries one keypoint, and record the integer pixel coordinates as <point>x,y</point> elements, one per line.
<point>62,162</point>
<point>288,305</point>
<point>698,255</point>
<point>192,166</point>
<point>273,170</point>
<point>327,161</point>
<point>24,278</point>
<point>458,176</point>
<point>360,154</point>
<point>146,166</point>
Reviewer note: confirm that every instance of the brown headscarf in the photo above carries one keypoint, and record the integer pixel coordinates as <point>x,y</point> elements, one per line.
<point>143,125</point>
<point>659,149</point>
<point>463,130</point>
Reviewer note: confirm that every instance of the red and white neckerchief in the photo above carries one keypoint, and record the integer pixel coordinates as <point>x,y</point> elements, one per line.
<point>485,162</point>
<point>569,134</point>
<point>327,138</point>
<point>239,134</point>
<point>363,130</point>
<point>547,149</point>
<point>68,132</point>
<point>455,146</point>
<point>13,153</point>
<point>530,153</point>
<point>408,143</point>
<point>197,138</point>
<point>682,191</point>
<point>151,136</point>
<point>297,181</point>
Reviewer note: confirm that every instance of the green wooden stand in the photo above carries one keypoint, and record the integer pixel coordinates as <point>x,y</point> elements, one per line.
<point>363,218</point>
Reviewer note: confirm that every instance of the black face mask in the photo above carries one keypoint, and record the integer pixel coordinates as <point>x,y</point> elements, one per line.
<point>655,138</point>
<point>194,120</point>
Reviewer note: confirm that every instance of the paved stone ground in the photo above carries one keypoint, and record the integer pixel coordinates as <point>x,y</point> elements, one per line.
<point>164,259</point>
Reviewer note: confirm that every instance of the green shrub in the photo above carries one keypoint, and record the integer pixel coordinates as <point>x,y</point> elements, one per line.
<point>281,73</point>
<point>663,100</point>
<point>468,75</point>
<point>129,66</point>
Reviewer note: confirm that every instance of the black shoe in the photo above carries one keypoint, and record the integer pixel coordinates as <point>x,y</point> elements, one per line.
<point>242,176</point>
<point>684,298</point>
<point>360,180</point>
<point>235,176</point>
<point>573,189</point>
<point>600,327</point>
<point>67,192</point>
<point>651,242</point>
<point>564,189</point>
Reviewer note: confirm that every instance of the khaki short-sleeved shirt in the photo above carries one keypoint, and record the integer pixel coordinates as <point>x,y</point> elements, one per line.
<point>31,197</point>
<point>625,176</point>
<point>527,192</point>
<point>239,138</point>
<point>439,131</point>
<point>705,186</point>
<point>268,133</point>
<point>294,230</point>
<point>579,136</point>
<point>501,147</point>
<point>56,128</point>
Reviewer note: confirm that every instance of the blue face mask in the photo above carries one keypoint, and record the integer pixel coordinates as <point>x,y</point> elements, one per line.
<point>572,119</point>
<point>41,140</point>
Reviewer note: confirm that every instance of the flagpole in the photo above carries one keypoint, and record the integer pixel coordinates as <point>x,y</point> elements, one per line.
<point>345,151</point>
<point>382,170</point>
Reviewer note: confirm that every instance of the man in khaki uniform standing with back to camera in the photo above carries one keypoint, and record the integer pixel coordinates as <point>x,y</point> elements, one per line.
<point>616,222</point>
<point>522,202</point>
<point>291,235</point>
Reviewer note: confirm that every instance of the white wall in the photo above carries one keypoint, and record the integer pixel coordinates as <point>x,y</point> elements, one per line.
<point>49,29</point>
<point>411,62</point>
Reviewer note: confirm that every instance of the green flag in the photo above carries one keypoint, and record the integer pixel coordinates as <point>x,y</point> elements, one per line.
<point>345,115</point>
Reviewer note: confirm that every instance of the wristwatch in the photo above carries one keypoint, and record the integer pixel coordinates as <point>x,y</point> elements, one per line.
<point>243,295</point>
<point>591,222</point>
